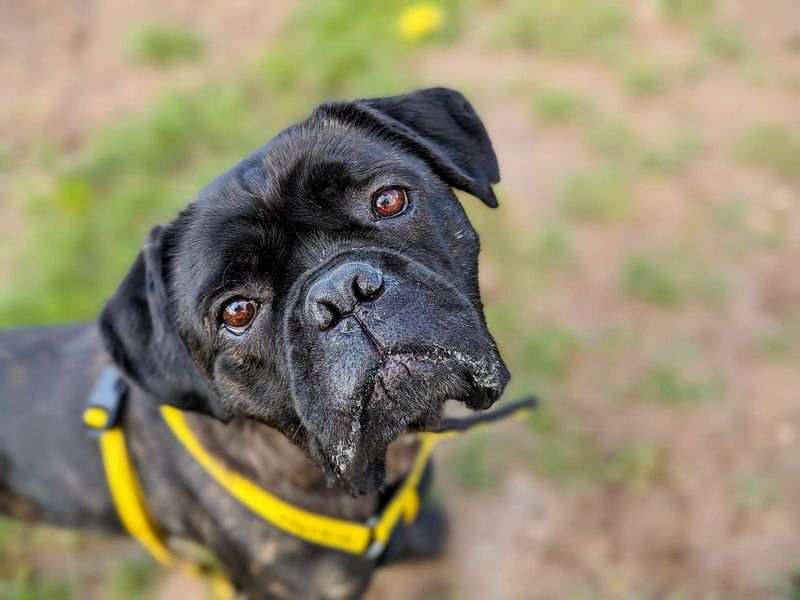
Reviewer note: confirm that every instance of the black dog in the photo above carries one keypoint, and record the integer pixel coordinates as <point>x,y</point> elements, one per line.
<point>325,288</point>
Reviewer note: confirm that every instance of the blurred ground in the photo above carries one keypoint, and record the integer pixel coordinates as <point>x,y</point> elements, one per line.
<point>641,274</point>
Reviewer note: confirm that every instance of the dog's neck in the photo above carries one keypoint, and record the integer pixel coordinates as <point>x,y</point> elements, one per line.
<point>270,460</point>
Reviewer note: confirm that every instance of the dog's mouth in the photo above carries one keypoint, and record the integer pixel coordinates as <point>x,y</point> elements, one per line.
<point>405,393</point>
<point>383,364</point>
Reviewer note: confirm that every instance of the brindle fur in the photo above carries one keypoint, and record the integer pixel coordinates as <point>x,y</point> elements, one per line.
<point>51,471</point>
<point>314,408</point>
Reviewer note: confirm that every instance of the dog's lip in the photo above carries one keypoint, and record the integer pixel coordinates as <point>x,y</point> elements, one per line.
<point>424,421</point>
<point>475,396</point>
<point>481,374</point>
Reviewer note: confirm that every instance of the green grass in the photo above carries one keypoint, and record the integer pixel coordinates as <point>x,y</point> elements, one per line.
<point>647,279</point>
<point>557,106</point>
<point>642,78</point>
<point>613,139</point>
<point>161,44</point>
<point>724,43</point>
<point>679,150</point>
<point>598,195</point>
<point>687,11</point>
<point>93,214</point>
<point>749,226</point>
<point>548,350</point>
<point>314,57</point>
<point>669,278</point>
<point>774,147</point>
<point>468,467</point>
<point>551,247</point>
<point>10,531</point>
<point>783,342</point>
<point>789,589</point>
<point>562,28</point>
<point>134,580</point>
<point>754,492</point>
<point>666,383</point>
<point>564,450</point>
<point>638,466</point>
<point>37,589</point>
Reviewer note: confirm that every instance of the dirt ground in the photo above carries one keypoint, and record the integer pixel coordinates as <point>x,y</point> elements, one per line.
<point>718,514</point>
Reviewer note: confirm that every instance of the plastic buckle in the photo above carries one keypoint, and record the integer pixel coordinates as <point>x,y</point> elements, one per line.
<point>105,402</point>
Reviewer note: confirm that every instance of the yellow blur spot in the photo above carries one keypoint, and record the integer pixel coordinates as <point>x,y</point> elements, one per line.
<point>419,20</point>
<point>95,417</point>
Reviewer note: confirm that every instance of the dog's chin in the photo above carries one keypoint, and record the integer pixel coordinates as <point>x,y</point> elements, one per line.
<point>406,393</point>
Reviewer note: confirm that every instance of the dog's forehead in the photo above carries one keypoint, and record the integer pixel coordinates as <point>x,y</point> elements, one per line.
<point>318,159</point>
<point>252,213</point>
<point>324,153</point>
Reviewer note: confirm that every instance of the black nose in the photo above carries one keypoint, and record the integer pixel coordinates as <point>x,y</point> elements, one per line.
<point>338,291</point>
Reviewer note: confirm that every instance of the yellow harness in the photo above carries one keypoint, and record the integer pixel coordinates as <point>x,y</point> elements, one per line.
<point>102,416</point>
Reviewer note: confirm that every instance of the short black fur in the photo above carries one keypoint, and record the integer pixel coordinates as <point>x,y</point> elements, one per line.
<point>366,327</point>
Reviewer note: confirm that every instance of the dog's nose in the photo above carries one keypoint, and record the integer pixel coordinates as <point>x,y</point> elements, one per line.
<point>338,291</point>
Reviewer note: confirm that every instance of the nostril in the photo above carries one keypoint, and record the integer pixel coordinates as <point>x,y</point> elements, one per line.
<point>368,285</point>
<point>365,292</point>
<point>337,293</point>
<point>326,315</point>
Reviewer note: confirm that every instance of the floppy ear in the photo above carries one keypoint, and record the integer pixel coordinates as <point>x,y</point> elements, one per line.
<point>138,333</point>
<point>441,125</point>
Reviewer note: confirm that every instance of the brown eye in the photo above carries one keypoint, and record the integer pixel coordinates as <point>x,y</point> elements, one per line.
<point>238,314</point>
<point>390,202</point>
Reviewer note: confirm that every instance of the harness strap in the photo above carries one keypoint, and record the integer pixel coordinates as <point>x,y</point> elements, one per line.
<point>128,497</point>
<point>126,491</point>
<point>348,536</point>
<point>102,417</point>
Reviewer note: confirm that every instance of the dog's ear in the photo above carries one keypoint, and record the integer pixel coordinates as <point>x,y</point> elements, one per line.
<point>441,125</point>
<point>140,336</point>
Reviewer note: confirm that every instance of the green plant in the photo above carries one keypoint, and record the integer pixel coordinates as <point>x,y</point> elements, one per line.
<point>314,56</point>
<point>775,147</point>
<point>548,350</point>
<point>687,11</point>
<point>551,247</point>
<point>559,106</point>
<point>664,382</point>
<point>724,43</point>
<point>641,78</point>
<point>678,151</point>
<point>790,588</point>
<point>564,449</point>
<point>614,140</point>
<point>598,195</point>
<point>134,580</point>
<point>468,468</point>
<point>754,492</point>
<point>783,342</point>
<point>647,279</point>
<point>638,466</point>
<point>93,214</point>
<point>36,589</point>
<point>160,44</point>
<point>562,27</point>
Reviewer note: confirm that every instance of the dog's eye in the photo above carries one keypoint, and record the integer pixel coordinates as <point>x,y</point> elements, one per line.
<point>389,202</point>
<point>238,314</point>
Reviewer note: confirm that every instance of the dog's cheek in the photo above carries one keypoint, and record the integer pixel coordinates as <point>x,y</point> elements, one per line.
<point>252,387</point>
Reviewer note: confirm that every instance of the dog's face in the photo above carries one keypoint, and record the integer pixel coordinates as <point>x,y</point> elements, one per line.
<point>326,286</point>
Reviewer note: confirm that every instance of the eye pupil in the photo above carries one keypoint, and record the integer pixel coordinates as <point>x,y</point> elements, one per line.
<point>238,314</point>
<point>390,202</point>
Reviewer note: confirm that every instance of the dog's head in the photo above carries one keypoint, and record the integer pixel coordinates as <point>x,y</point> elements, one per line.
<point>326,286</point>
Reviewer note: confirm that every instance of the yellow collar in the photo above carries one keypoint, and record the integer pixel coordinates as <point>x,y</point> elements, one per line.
<point>102,416</point>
